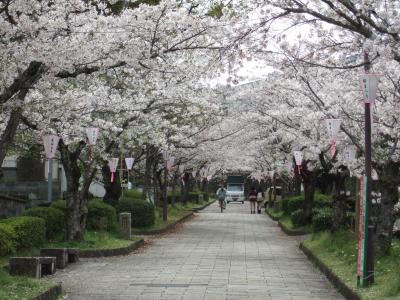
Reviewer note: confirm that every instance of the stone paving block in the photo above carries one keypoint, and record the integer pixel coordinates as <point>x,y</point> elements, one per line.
<point>232,256</point>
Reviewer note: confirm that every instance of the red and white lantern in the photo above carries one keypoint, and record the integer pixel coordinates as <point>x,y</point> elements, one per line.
<point>349,153</point>
<point>298,157</point>
<point>209,177</point>
<point>333,126</point>
<point>92,133</point>
<point>113,164</point>
<point>194,173</point>
<point>50,143</point>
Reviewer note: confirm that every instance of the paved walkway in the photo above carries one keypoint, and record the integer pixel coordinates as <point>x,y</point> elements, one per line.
<point>234,255</point>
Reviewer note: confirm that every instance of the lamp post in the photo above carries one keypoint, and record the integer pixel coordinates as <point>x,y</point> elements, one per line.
<point>369,86</point>
<point>166,156</point>
<point>50,143</point>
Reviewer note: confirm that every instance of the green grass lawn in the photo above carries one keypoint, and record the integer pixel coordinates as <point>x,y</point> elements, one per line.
<point>175,213</point>
<point>20,288</point>
<point>93,240</point>
<point>339,252</point>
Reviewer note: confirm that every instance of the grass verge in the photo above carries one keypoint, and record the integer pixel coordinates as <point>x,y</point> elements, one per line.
<point>338,252</point>
<point>21,288</point>
<point>287,222</point>
<point>275,214</point>
<point>175,213</point>
<point>93,240</point>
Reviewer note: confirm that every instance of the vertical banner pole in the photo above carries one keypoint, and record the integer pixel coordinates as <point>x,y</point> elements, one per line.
<point>50,181</point>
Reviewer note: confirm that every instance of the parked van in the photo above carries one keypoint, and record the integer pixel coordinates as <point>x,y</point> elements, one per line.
<point>235,189</point>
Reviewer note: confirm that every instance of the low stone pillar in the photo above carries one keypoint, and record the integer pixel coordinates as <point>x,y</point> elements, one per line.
<point>200,198</point>
<point>125,225</point>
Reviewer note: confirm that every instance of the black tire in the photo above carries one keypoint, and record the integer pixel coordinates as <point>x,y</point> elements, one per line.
<point>242,202</point>
<point>227,202</point>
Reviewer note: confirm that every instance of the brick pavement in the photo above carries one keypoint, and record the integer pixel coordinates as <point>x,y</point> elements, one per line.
<point>234,255</point>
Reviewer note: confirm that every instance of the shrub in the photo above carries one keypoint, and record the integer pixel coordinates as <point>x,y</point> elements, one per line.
<point>322,219</point>
<point>7,239</point>
<point>101,216</point>
<point>142,211</point>
<point>294,203</point>
<point>298,218</point>
<point>322,201</point>
<point>285,202</point>
<point>53,218</point>
<point>29,231</point>
<point>134,193</point>
<point>61,205</point>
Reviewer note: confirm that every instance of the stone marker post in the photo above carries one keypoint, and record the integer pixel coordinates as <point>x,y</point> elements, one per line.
<point>200,198</point>
<point>125,225</point>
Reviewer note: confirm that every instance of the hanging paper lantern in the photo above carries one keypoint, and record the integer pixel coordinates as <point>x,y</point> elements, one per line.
<point>209,177</point>
<point>129,162</point>
<point>50,143</point>
<point>333,126</point>
<point>369,87</point>
<point>166,154</point>
<point>298,157</point>
<point>181,169</point>
<point>92,134</point>
<point>374,175</point>
<point>194,174</point>
<point>113,164</point>
<point>349,153</point>
<point>171,160</point>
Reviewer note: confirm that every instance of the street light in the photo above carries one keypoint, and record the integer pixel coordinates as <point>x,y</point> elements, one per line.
<point>50,143</point>
<point>166,156</point>
<point>365,267</point>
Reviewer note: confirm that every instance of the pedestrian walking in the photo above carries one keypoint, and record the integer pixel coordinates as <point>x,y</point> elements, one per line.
<point>253,199</point>
<point>260,198</point>
<point>221,194</point>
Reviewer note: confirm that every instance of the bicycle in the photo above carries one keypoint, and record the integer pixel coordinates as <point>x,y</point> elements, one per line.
<point>222,204</point>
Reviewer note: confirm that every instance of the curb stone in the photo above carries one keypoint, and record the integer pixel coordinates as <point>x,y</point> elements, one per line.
<point>170,226</point>
<point>292,232</point>
<point>111,252</point>
<point>345,290</point>
<point>50,294</point>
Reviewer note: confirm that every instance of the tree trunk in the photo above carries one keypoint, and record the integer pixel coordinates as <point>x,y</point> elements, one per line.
<point>8,135</point>
<point>309,189</point>
<point>147,174</point>
<point>113,189</point>
<point>389,182</point>
<point>174,183</point>
<point>20,86</point>
<point>339,200</point>
<point>73,173</point>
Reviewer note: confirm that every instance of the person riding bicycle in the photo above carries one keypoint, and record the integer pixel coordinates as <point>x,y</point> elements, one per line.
<point>221,194</point>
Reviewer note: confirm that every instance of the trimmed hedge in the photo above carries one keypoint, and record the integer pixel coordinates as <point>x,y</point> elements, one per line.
<point>143,212</point>
<point>294,203</point>
<point>61,205</point>
<point>298,217</point>
<point>322,219</point>
<point>101,216</point>
<point>29,231</point>
<point>7,238</point>
<point>53,218</point>
<point>192,197</point>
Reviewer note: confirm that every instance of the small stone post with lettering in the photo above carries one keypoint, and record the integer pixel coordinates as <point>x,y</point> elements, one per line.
<point>125,225</point>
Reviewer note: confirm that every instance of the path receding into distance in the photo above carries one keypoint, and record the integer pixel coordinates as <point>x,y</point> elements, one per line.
<point>233,255</point>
